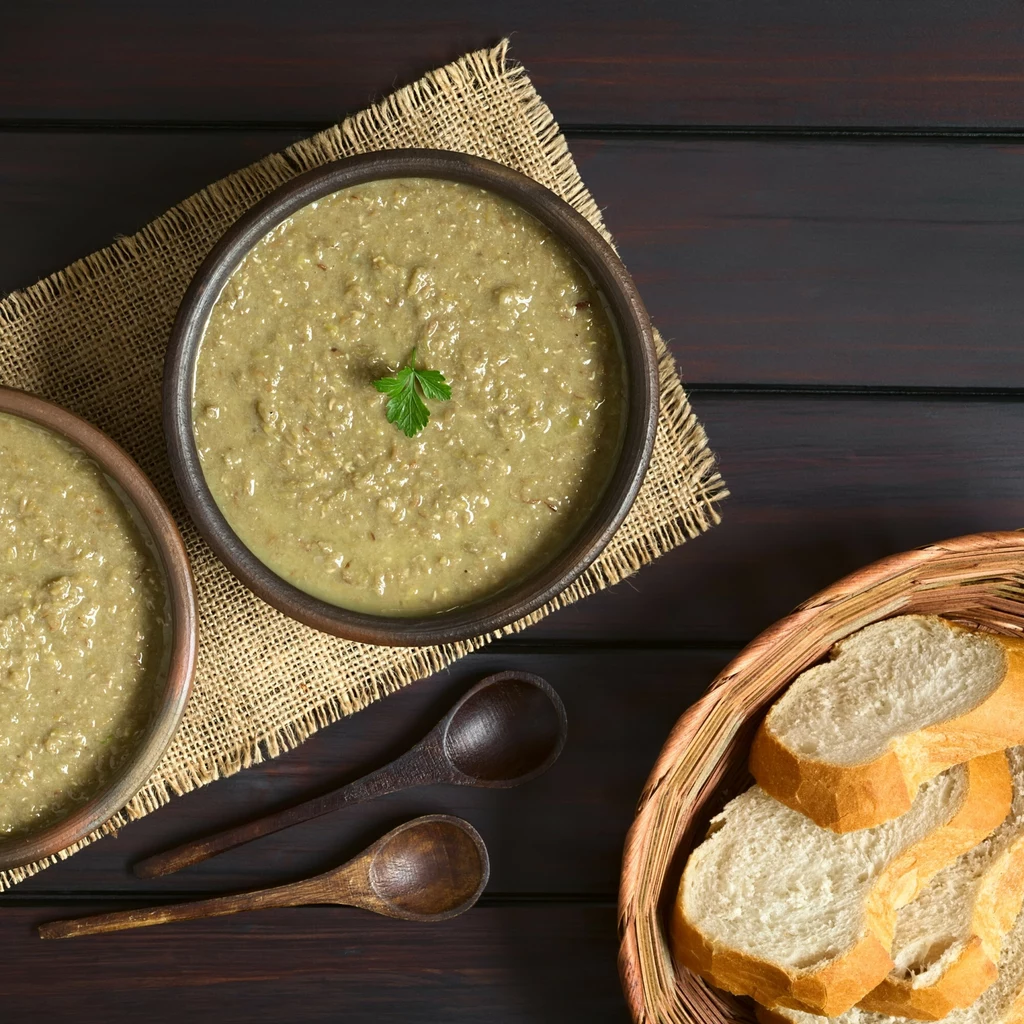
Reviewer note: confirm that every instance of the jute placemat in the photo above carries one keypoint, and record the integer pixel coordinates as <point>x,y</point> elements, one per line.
<point>92,337</point>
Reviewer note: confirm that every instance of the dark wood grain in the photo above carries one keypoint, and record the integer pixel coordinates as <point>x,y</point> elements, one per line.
<point>737,62</point>
<point>560,833</point>
<point>72,193</point>
<point>767,262</point>
<point>536,964</point>
<point>857,263</point>
<point>821,485</point>
<point>505,731</point>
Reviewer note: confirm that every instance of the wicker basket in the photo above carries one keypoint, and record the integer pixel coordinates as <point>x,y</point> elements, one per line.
<point>977,579</point>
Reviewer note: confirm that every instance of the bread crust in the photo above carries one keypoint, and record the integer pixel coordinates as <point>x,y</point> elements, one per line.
<point>961,984</point>
<point>1014,1015</point>
<point>999,901</point>
<point>845,798</point>
<point>840,983</point>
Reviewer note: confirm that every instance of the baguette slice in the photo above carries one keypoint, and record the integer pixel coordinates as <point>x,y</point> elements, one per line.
<point>774,907</point>
<point>949,940</point>
<point>1001,1003</point>
<point>851,740</point>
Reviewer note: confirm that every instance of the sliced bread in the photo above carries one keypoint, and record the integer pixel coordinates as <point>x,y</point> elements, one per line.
<point>1001,1003</point>
<point>775,907</point>
<point>949,940</point>
<point>851,740</point>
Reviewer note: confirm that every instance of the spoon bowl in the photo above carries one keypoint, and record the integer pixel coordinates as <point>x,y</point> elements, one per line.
<point>431,869</point>
<point>508,729</point>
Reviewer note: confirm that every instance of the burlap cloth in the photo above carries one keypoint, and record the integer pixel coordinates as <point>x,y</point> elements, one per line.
<point>92,337</point>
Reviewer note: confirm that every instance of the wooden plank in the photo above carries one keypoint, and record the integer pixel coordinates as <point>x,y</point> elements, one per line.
<point>562,833</point>
<point>726,63</point>
<point>68,194</point>
<point>853,263</point>
<point>821,486</point>
<point>529,964</point>
<point>840,262</point>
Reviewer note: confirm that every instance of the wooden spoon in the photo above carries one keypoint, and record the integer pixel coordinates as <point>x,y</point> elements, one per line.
<point>507,729</point>
<point>428,869</point>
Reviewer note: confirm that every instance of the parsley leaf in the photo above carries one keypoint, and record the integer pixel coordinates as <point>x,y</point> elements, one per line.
<point>405,408</point>
<point>434,385</point>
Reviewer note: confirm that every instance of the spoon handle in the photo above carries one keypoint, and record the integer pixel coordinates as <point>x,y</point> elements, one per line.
<point>389,779</point>
<point>292,895</point>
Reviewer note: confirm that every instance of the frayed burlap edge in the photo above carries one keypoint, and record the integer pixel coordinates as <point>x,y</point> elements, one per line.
<point>689,464</point>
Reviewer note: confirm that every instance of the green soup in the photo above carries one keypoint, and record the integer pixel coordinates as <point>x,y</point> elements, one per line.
<point>84,628</point>
<point>293,438</point>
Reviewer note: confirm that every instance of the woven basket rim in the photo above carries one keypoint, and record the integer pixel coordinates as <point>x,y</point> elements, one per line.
<point>641,838</point>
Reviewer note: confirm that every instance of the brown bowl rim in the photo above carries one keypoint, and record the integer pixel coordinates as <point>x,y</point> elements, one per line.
<point>504,607</point>
<point>163,531</point>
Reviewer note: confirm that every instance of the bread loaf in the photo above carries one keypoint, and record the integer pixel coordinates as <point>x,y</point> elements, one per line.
<point>851,740</point>
<point>775,907</point>
<point>1001,1003</point>
<point>949,940</point>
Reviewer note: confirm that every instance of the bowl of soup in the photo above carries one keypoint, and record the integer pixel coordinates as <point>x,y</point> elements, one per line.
<point>410,396</point>
<point>97,628</point>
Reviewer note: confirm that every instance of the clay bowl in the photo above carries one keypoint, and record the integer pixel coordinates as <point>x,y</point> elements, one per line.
<point>169,707</point>
<point>508,605</point>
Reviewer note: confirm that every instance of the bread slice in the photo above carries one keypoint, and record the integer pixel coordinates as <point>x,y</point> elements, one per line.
<point>851,740</point>
<point>1001,1003</point>
<point>948,941</point>
<point>774,907</point>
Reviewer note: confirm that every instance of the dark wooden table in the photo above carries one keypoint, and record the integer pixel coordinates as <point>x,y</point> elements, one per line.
<point>823,204</point>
